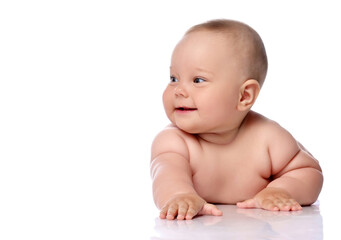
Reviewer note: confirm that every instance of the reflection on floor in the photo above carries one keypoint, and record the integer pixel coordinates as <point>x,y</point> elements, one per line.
<point>245,224</point>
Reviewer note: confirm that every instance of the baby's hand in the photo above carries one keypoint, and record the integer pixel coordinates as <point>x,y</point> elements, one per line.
<point>186,206</point>
<point>273,199</point>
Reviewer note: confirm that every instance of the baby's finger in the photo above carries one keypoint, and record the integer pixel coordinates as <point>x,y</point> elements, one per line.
<point>250,203</point>
<point>216,211</point>
<point>295,206</point>
<point>283,206</point>
<point>269,205</point>
<point>172,211</point>
<point>288,205</point>
<point>191,212</point>
<point>183,208</point>
<point>210,209</point>
<point>163,212</point>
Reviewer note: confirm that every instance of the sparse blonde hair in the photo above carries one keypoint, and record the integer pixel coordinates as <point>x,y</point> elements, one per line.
<point>249,43</point>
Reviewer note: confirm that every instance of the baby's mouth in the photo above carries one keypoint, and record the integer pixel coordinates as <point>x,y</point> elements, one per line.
<point>185,109</point>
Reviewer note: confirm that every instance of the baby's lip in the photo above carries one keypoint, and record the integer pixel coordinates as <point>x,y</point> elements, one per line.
<point>183,108</point>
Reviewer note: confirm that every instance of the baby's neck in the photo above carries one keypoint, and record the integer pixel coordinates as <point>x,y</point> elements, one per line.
<point>223,138</point>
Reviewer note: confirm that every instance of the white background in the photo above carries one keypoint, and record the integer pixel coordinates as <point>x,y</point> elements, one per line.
<point>80,102</point>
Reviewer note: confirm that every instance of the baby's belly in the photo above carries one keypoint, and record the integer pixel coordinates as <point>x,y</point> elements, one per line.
<point>228,188</point>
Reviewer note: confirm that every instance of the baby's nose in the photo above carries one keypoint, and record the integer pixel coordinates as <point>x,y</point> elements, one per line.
<point>180,91</point>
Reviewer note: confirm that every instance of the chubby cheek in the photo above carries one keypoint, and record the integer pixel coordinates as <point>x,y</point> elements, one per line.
<point>217,108</point>
<point>167,103</point>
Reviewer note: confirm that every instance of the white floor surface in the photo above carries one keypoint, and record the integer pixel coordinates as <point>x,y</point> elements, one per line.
<point>246,224</point>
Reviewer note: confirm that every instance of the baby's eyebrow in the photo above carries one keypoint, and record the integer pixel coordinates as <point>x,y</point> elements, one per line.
<point>198,69</point>
<point>203,70</point>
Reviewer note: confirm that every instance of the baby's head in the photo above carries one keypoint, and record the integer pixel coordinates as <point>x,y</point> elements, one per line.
<point>247,45</point>
<point>217,70</point>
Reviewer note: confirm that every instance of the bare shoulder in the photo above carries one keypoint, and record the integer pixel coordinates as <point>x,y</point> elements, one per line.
<point>266,128</point>
<point>285,152</point>
<point>171,140</point>
<point>271,131</point>
<point>280,144</point>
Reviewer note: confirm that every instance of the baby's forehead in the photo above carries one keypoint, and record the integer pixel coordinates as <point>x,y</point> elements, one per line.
<point>232,37</point>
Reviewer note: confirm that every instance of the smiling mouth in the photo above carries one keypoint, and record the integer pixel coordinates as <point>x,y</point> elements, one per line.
<point>185,109</point>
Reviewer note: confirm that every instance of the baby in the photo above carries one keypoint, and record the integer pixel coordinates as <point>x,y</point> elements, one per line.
<point>217,150</point>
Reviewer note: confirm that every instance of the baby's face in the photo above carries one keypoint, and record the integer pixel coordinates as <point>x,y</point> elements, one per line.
<point>203,92</point>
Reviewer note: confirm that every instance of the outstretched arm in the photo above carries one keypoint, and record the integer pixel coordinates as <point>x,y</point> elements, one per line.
<point>173,188</point>
<point>297,176</point>
<point>302,178</point>
<point>171,176</point>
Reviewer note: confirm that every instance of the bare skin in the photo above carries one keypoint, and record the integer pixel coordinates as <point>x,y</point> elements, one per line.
<point>268,174</point>
<point>218,151</point>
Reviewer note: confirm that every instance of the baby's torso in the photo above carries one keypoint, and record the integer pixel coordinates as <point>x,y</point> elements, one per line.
<point>229,173</point>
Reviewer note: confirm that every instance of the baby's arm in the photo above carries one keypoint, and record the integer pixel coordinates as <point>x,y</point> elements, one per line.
<point>173,188</point>
<point>297,176</point>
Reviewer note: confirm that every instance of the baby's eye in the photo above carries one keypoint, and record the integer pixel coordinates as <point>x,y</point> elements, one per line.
<point>199,80</point>
<point>173,79</point>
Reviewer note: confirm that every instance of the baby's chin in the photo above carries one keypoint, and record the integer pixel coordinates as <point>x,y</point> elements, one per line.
<point>188,128</point>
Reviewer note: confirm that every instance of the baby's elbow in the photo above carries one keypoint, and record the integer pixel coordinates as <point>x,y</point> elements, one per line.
<point>318,178</point>
<point>316,183</point>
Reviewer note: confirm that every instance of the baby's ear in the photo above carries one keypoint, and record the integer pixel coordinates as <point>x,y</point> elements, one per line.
<point>248,94</point>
